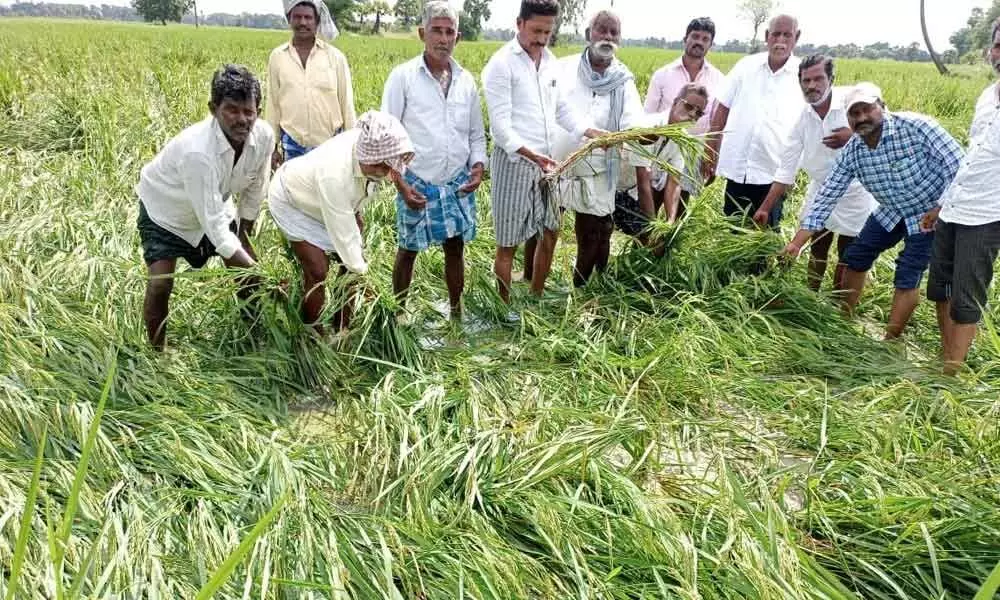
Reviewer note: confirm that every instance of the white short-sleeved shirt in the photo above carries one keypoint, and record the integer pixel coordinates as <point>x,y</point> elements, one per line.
<point>972,198</point>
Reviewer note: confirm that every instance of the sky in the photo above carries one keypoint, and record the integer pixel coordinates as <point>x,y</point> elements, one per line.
<point>822,22</point>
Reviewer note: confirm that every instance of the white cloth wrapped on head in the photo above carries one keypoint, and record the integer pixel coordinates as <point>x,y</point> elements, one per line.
<point>326,27</point>
<point>383,139</point>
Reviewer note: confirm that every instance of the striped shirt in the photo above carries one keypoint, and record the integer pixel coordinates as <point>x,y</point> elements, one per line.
<point>913,164</point>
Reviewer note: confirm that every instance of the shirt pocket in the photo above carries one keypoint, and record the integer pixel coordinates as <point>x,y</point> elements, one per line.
<point>325,76</point>
<point>459,113</point>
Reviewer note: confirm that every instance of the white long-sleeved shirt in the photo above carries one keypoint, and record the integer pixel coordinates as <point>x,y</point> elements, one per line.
<point>972,199</point>
<point>524,102</point>
<point>447,131</point>
<point>763,107</point>
<point>187,188</point>
<point>804,149</point>
<point>327,184</point>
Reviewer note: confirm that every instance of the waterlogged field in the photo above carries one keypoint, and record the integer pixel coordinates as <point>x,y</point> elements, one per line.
<point>679,429</point>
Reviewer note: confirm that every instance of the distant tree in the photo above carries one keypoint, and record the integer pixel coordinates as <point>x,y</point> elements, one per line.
<point>344,12</point>
<point>474,14</point>
<point>570,12</point>
<point>378,8</point>
<point>407,11</point>
<point>756,12</point>
<point>162,10</point>
<point>927,41</point>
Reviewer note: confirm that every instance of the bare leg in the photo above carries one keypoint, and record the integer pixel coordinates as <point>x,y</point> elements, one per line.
<point>843,241</point>
<point>819,253</point>
<point>956,339</point>
<point>502,265</point>
<point>586,248</point>
<point>854,284</point>
<point>402,273</point>
<point>529,257</point>
<point>315,266</point>
<point>454,273</point>
<point>904,302</point>
<point>605,226</point>
<point>156,305</point>
<point>342,316</point>
<point>543,261</point>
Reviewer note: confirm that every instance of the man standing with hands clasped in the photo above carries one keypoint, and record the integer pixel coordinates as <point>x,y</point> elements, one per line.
<point>906,161</point>
<point>814,145</point>
<point>525,107</point>
<point>438,104</point>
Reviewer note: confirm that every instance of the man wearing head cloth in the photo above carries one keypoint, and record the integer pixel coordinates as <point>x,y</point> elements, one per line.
<point>906,161</point>
<point>310,97</point>
<point>316,202</point>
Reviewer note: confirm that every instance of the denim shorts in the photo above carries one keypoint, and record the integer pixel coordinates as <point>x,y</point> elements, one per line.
<point>874,239</point>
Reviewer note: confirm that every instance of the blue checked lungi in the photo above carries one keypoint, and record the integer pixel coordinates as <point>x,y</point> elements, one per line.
<point>446,215</point>
<point>293,149</point>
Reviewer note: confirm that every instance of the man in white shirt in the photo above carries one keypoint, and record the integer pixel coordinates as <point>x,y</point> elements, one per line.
<point>757,108</point>
<point>665,86</point>
<point>438,104</point>
<point>602,90</point>
<point>185,192</point>
<point>525,108</point>
<point>814,145</point>
<point>316,202</point>
<point>967,232</point>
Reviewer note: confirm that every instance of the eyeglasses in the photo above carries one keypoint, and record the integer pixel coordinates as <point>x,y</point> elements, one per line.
<point>698,112</point>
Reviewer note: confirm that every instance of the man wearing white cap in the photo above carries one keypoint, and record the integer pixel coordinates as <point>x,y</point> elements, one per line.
<point>906,161</point>
<point>310,97</point>
<point>316,202</point>
<point>814,145</point>
<point>967,236</point>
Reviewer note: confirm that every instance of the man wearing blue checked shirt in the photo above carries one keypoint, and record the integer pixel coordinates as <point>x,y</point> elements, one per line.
<point>906,161</point>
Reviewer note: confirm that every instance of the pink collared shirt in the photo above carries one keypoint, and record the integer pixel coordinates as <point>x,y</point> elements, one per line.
<point>668,81</point>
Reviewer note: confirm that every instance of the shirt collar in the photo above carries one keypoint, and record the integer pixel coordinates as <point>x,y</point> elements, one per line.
<point>888,126</point>
<point>785,68</point>
<point>320,44</point>
<point>222,142</point>
<point>455,67</point>
<point>678,63</point>
<point>516,48</point>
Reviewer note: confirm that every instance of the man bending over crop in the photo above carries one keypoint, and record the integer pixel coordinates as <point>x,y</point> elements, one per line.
<point>906,161</point>
<point>185,205</point>
<point>438,104</point>
<point>310,97</point>
<point>316,200</point>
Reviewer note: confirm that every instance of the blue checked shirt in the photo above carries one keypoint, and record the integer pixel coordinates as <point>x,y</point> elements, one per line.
<point>907,172</point>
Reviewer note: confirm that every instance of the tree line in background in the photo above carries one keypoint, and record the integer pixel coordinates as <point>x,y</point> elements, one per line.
<point>366,16</point>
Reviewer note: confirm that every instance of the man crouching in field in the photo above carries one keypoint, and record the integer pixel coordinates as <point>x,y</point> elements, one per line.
<point>185,192</point>
<point>438,103</point>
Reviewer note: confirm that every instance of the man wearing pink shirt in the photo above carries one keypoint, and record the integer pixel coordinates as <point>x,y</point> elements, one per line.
<point>664,87</point>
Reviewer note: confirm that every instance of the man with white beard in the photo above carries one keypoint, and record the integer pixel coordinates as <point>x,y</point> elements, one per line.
<point>602,91</point>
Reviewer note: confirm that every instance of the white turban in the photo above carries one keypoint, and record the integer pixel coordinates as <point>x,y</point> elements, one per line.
<point>327,28</point>
<point>383,139</point>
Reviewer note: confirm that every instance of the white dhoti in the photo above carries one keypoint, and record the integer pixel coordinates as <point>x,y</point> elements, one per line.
<point>294,224</point>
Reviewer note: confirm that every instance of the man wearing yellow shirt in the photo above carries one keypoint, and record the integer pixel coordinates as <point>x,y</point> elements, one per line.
<point>310,97</point>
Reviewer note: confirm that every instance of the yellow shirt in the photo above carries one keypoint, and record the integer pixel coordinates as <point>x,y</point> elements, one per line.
<point>327,184</point>
<point>312,103</point>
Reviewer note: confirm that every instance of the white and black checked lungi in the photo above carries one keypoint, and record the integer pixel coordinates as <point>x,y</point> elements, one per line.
<point>519,206</point>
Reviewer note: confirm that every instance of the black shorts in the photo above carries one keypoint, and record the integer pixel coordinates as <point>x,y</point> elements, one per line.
<point>745,198</point>
<point>161,244</point>
<point>962,268</point>
<point>628,216</point>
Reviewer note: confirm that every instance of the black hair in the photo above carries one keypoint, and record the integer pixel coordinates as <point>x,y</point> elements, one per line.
<point>701,24</point>
<point>234,82</point>
<point>538,8</point>
<point>309,4</point>
<point>817,59</point>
